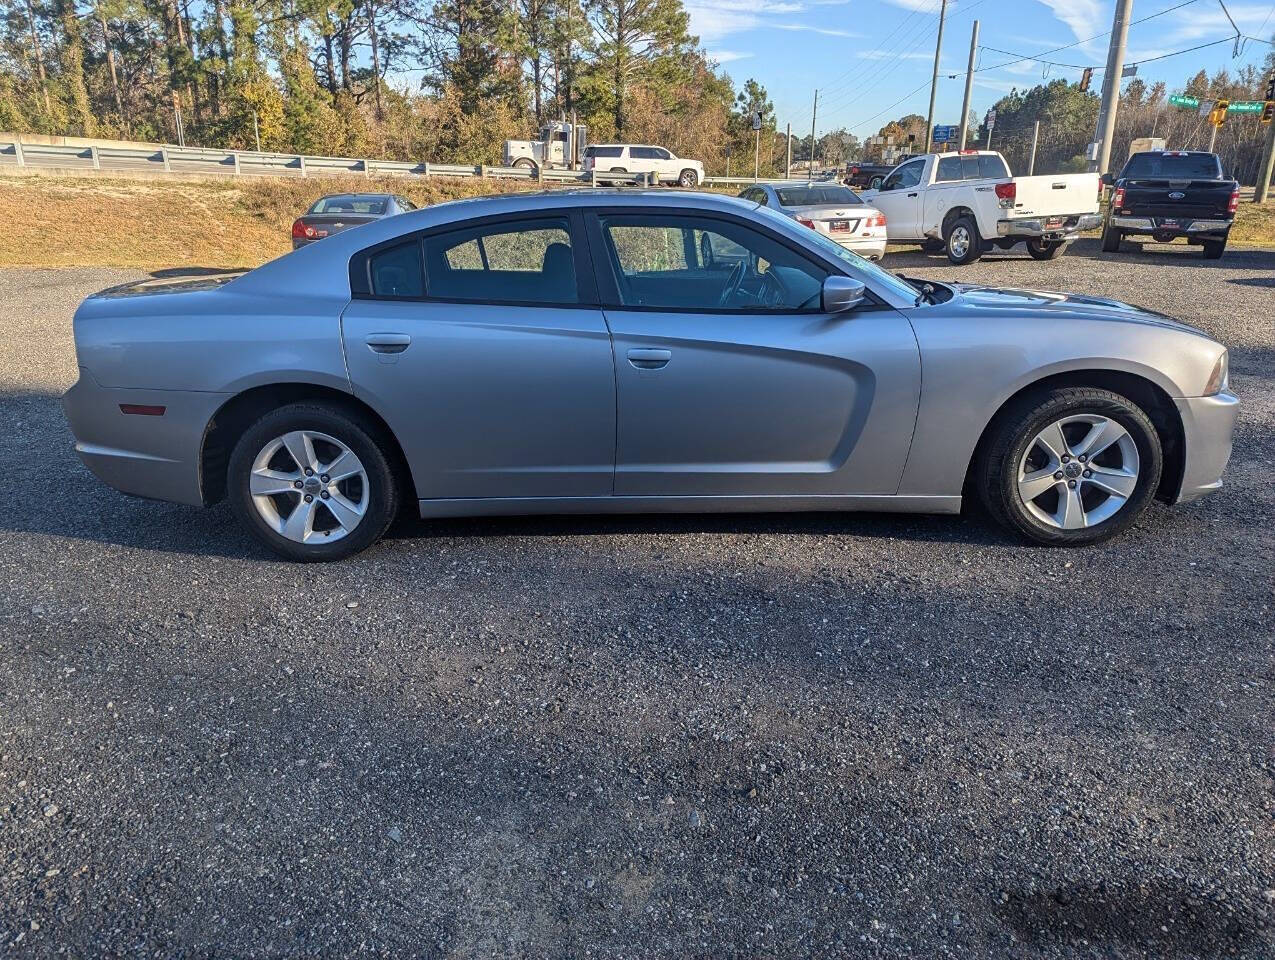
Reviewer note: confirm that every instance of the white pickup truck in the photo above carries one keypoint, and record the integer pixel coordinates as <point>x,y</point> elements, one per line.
<point>967,202</point>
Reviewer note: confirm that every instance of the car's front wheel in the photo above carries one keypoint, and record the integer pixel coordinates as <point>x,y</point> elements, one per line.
<point>689,178</point>
<point>1070,466</point>
<point>313,482</point>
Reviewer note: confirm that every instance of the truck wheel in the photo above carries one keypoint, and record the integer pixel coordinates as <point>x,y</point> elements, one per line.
<point>522,163</point>
<point>1213,249</point>
<point>963,242</point>
<point>1045,249</point>
<point>932,246</point>
<point>1110,239</point>
<point>688,179</point>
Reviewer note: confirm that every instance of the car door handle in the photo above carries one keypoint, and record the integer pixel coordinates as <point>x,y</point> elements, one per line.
<point>388,342</point>
<point>911,194</point>
<point>649,358</point>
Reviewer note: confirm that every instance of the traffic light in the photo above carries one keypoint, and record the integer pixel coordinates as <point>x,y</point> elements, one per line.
<point>1268,112</point>
<point>1217,116</point>
<point>1270,86</point>
<point>1085,78</point>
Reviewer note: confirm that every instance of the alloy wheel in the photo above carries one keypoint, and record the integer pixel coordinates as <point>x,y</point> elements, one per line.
<point>960,242</point>
<point>309,487</point>
<point>1078,471</point>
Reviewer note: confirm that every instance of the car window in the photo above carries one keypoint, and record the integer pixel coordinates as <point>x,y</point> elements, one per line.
<point>374,206</point>
<point>702,263</point>
<point>644,153</point>
<point>991,167</point>
<point>662,154</point>
<point>529,261</point>
<point>396,272</point>
<point>969,168</point>
<point>590,152</point>
<point>949,168</point>
<point>908,175</point>
<point>755,194</point>
<point>810,196</point>
<point>1197,166</point>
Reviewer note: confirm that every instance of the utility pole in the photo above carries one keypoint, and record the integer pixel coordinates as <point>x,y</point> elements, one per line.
<point>1267,166</point>
<point>1111,85</point>
<point>934,80</point>
<point>256,133</point>
<point>969,86</point>
<point>814,112</point>
<point>788,154</point>
<point>1031,164</point>
<point>1212,136</point>
<point>756,153</point>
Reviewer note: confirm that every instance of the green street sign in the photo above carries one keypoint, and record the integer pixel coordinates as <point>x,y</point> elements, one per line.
<point>1180,101</point>
<point>1246,106</point>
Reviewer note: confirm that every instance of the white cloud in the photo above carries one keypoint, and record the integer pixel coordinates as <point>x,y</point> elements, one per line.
<point>729,56</point>
<point>808,28</point>
<point>1083,17</point>
<point>713,20</point>
<point>931,5</point>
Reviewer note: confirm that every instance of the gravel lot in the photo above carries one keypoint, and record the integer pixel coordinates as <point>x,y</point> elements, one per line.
<point>688,736</point>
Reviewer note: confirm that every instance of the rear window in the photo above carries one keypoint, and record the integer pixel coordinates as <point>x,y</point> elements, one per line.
<point>812,196</point>
<point>990,166</point>
<point>590,152</point>
<point>373,206</point>
<point>396,272</point>
<point>1191,166</point>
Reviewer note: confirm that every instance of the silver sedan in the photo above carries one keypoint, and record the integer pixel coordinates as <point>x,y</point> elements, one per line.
<point>831,209</point>
<point>608,352</point>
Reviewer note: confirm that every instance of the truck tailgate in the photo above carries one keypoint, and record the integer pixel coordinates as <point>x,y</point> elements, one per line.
<point>1062,195</point>
<point>1177,198</point>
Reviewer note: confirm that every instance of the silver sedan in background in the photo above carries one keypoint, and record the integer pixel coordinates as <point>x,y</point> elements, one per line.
<point>623,352</point>
<point>340,211</point>
<point>833,210</point>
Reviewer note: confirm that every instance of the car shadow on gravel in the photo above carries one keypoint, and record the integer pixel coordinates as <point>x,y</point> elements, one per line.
<point>1165,918</point>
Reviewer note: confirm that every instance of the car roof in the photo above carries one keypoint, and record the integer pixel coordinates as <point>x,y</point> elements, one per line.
<point>355,196</point>
<point>320,269</point>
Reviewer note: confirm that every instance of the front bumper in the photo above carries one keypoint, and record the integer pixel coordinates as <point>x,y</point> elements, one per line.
<point>1207,425</point>
<point>148,456</point>
<point>1046,228</point>
<point>1177,226</point>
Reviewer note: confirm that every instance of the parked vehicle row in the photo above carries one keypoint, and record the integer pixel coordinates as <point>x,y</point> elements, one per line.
<point>623,351</point>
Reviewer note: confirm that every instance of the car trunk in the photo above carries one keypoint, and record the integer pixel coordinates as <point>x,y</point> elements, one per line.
<point>316,226</point>
<point>832,221</point>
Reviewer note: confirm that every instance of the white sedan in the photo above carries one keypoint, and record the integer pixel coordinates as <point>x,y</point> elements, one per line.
<point>830,209</point>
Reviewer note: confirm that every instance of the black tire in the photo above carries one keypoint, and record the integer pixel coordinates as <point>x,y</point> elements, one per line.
<point>1046,249</point>
<point>1111,239</point>
<point>688,178</point>
<point>1213,249</point>
<point>932,246</point>
<point>356,432</point>
<point>1012,437</point>
<point>523,163</point>
<point>963,233</point>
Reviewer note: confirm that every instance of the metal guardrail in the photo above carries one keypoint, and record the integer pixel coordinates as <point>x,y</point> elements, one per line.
<point>205,160</point>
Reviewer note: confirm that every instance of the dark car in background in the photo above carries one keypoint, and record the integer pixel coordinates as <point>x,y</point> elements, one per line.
<point>867,176</point>
<point>1166,194</point>
<point>340,211</point>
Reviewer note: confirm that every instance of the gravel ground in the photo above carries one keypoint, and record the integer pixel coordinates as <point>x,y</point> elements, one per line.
<point>678,736</point>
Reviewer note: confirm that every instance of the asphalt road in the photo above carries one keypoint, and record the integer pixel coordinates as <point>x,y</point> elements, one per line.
<point>669,737</point>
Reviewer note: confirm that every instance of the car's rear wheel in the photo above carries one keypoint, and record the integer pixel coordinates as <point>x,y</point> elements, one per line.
<point>312,482</point>
<point>689,178</point>
<point>963,242</point>
<point>1213,249</point>
<point>1070,466</point>
<point>1110,239</point>
<point>1045,249</point>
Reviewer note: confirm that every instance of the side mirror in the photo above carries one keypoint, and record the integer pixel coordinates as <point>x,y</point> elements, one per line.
<point>877,184</point>
<point>1108,179</point>
<point>841,294</point>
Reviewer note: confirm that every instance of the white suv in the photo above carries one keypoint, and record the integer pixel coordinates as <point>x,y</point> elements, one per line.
<point>640,158</point>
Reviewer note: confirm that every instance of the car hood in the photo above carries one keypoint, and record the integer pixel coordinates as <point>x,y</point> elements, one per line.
<point>1056,305</point>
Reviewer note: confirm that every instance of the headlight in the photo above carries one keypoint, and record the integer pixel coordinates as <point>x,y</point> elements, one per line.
<point>1219,379</point>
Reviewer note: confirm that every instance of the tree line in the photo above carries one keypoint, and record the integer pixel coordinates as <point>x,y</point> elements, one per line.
<point>443,80</point>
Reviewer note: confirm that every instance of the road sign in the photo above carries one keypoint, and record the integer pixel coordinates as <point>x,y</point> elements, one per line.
<point>946,133</point>
<point>1206,107</point>
<point>1180,101</point>
<point>756,119</point>
<point>1130,71</point>
<point>990,120</point>
<point>1246,106</point>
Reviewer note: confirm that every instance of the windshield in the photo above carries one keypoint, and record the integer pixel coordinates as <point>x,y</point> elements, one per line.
<point>374,206</point>
<point>813,196</point>
<point>1179,166</point>
<point>856,266</point>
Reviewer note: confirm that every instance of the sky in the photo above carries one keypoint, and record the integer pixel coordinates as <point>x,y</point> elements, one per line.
<point>871,59</point>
